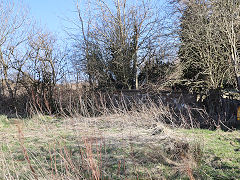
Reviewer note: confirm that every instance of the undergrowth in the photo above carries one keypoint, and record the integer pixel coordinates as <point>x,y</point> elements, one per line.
<point>144,143</point>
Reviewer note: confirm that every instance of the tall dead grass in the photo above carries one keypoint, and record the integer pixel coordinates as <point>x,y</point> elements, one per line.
<point>141,129</point>
<point>69,102</point>
<point>138,126</point>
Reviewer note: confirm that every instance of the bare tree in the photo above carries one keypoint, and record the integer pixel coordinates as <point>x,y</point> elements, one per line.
<point>13,21</point>
<point>208,51</point>
<point>115,40</point>
<point>31,63</point>
<point>43,68</point>
<point>229,13</point>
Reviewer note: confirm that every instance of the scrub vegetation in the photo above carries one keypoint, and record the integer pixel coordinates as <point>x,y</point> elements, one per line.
<point>131,145</point>
<point>140,91</point>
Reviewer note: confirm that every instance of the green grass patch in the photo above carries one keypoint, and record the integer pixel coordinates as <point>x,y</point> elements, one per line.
<point>4,122</point>
<point>221,153</point>
<point>63,151</point>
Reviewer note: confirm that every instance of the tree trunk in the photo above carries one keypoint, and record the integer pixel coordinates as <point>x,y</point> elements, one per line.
<point>238,81</point>
<point>5,74</point>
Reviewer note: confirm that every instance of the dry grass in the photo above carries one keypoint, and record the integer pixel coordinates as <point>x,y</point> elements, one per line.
<point>127,145</point>
<point>137,144</point>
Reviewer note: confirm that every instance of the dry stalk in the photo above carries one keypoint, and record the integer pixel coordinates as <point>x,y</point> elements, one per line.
<point>21,140</point>
<point>92,162</point>
<point>51,161</point>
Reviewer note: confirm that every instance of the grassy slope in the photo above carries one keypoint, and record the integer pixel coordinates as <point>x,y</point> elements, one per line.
<point>114,147</point>
<point>221,152</point>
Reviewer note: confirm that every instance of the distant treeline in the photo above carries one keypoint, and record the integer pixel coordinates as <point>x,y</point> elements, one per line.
<point>190,46</point>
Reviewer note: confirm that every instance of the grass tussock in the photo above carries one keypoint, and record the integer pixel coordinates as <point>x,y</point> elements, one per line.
<point>147,142</point>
